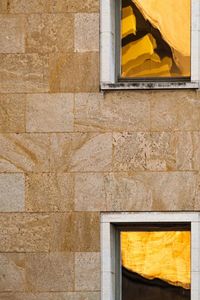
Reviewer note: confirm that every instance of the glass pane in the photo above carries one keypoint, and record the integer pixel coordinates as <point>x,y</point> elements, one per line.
<point>155,265</point>
<point>155,38</point>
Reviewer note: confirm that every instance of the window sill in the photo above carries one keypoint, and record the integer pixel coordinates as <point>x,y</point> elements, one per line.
<point>149,85</point>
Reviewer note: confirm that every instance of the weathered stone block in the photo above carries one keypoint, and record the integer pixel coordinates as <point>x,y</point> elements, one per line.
<point>12,272</point>
<point>81,152</point>
<point>87,271</point>
<point>78,72</point>
<point>77,232</point>
<point>118,111</point>
<point>50,113</point>
<point>49,192</point>
<point>25,232</point>
<point>3,6</point>
<point>50,271</point>
<point>175,110</point>
<point>24,152</point>
<point>23,73</point>
<point>52,296</point>
<point>74,6</point>
<point>12,35</point>
<point>86,32</point>
<point>24,6</point>
<point>47,33</point>
<point>12,113</point>
<point>12,192</point>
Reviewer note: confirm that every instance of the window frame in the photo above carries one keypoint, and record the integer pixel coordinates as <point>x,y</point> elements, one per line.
<point>110,268</point>
<point>110,47</point>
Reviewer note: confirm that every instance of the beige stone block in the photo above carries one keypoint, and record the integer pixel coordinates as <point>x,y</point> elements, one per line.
<point>24,153</point>
<point>130,151</point>
<point>87,271</point>
<point>118,111</point>
<point>188,151</point>
<point>12,272</point>
<point>3,6</point>
<point>77,232</point>
<point>81,152</point>
<point>12,37</point>
<point>52,296</point>
<point>86,32</point>
<point>23,73</point>
<point>73,6</point>
<point>162,152</point>
<point>50,113</point>
<point>27,6</point>
<point>25,232</point>
<point>49,192</point>
<point>78,72</point>
<point>152,191</point>
<point>92,192</point>
<point>12,192</point>
<point>50,271</point>
<point>12,113</point>
<point>47,33</point>
<point>175,110</point>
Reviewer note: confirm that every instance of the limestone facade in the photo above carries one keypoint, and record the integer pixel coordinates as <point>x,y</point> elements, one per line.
<point>69,151</point>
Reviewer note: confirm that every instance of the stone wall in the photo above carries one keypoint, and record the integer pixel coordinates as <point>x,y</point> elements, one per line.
<point>68,151</point>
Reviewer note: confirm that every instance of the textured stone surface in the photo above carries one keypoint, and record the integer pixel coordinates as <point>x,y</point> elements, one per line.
<point>143,191</point>
<point>49,192</point>
<point>74,6</point>
<point>48,33</point>
<point>78,232</point>
<point>52,296</point>
<point>117,111</point>
<point>12,38</point>
<point>24,232</point>
<point>3,6</point>
<point>188,151</point>
<point>12,192</point>
<point>24,152</point>
<point>12,272</point>
<point>12,113</point>
<point>175,110</point>
<point>81,152</point>
<point>74,72</point>
<point>50,113</point>
<point>86,32</point>
<point>23,73</point>
<point>50,271</point>
<point>24,6</point>
<point>87,271</point>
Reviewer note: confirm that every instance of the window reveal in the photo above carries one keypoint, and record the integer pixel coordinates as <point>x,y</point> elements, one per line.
<point>155,265</point>
<point>155,39</point>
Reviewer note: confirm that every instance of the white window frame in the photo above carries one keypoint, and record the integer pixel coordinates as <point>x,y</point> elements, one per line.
<point>109,24</point>
<point>109,252</point>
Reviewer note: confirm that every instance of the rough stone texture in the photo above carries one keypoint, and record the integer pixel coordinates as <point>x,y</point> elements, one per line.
<point>77,232</point>
<point>11,192</point>
<point>12,272</point>
<point>47,33</point>
<point>81,152</point>
<point>24,153</point>
<point>12,113</point>
<point>74,72</point>
<point>50,113</point>
<point>49,192</point>
<point>50,272</point>
<point>3,6</point>
<point>52,296</point>
<point>23,73</point>
<point>25,232</point>
<point>87,271</point>
<point>12,37</point>
<point>118,111</point>
<point>86,29</point>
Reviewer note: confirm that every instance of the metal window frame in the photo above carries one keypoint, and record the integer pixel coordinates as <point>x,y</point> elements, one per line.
<point>109,51</point>
<point>110,269</point>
